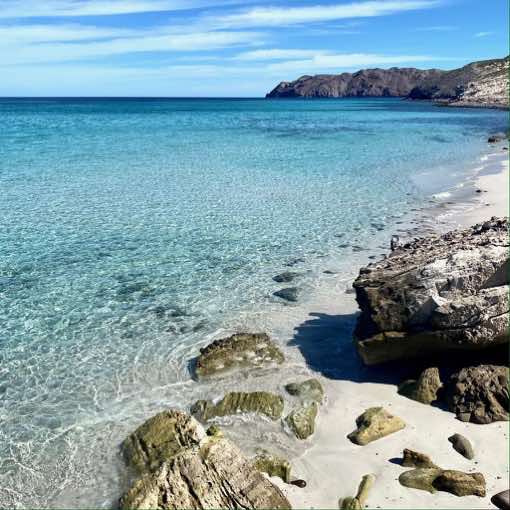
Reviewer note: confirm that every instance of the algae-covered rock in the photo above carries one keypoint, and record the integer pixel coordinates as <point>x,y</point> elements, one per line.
<point>416,459</point>
<point>373,424</point>
<point>301,420</point>
<point>446,480</point>
<point>213,474</point>
<point>260,402</point>
<point>359,500</point>
<point>462,445</point>
<point>310,390</point>
<point>159,438</point>
<point>239,351</point>
<point>273,465</point>
<point>425,389</point>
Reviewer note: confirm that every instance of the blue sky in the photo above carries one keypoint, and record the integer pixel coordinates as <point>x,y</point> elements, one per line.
<point>231,47</point>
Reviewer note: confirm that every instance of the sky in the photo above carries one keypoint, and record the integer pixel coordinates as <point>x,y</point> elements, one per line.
<point>231,48</point>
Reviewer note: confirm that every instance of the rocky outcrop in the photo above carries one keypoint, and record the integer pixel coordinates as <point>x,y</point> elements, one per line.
<point>374,424</point>
<point>480,394</point>
<point>462,445</point>
<point>483,83</point>
<point>436,294</point>
<point>260,402</point>
<point>447,480</point>
<point>425,389</point>
<point>212,473</point>
<point>358,501</point>
<point>239,351</point>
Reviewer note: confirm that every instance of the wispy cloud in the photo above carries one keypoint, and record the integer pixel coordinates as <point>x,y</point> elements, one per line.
<point>483,34</point>
<point>278,16</point>
<point>60,8</point>
<point>437,28</point>
<point>277,54</point>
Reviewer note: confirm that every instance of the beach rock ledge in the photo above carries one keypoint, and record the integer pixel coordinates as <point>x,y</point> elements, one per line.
<point>436,294</point>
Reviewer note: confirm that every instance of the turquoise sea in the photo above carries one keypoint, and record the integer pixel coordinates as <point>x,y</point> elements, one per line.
<point>132,231</point>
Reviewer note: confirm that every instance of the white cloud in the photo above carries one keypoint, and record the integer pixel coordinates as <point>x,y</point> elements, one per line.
<point>277,54</point>
<point>438,28</point>
<point>58,8</point>
<point>282,16</point>
<point>483,34</point>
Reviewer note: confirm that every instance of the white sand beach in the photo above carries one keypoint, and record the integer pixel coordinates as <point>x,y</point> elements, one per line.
<point>333,466</point>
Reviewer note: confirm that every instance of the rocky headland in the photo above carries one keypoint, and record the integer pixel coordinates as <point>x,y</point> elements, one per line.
<point>483,83</point>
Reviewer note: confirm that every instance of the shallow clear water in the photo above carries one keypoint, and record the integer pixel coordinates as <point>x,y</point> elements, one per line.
<point>131,231</point>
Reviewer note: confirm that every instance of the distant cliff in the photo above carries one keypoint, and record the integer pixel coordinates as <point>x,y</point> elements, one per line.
<point>479,83</point>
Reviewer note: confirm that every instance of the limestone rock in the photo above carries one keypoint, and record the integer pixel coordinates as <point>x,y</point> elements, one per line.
<point>462,445</point>
<point>239,351</point>
<point>261,402</point>
<point>502,500</point>
<point>425,389</point>
<point>417,460</point>
<point>273,465</point>
<point>159,438</point>
<point>301,420</point>
<point>310,390</point>
<point>212,474</point>
<point>480,394</point>
<point>374,424</point>
<point>447,480</point>
<point>436,294</point>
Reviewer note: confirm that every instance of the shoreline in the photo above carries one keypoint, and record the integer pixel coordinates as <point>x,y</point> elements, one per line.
<point>321,330</point>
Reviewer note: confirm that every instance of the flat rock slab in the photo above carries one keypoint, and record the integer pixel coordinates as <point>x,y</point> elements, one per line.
<point>374,424</point>
<point>436,294</point>
<point>261,402</point>
<point>211,474</point>
<point>240,351</point>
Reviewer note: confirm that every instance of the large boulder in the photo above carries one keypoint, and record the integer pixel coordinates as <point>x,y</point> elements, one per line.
<point>212,473</point>
<point>374,424</point>
<point>436,294</point>
<point>238,351</point>
<point>480,394</point>
<point>261,402</point>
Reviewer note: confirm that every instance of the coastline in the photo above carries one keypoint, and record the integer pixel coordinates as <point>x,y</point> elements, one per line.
<point>321,330</point>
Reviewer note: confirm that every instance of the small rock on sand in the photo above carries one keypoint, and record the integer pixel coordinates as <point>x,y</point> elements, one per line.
<point>502,500</point>
<point>462,445</point>
<point>416,460</point>
<point>374,424</point>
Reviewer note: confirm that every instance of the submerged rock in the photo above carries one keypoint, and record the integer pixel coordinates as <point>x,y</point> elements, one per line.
<point>273,465</point>
<point>480,394</point>
<point>286,276</point>
<point>211,474</point>
<point>462,445</point>
<point>436,294</point>
<point>261,402</point>
<point>310,390</point>
<point>446,480</point>
<point>239,351</point>
<point>425,389</point>
<point>289,294</point>
<point>417,460</point>
<point>358,502</point>
<point>374,424</point>
<point>301,420</point>
<point>159,438</point>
